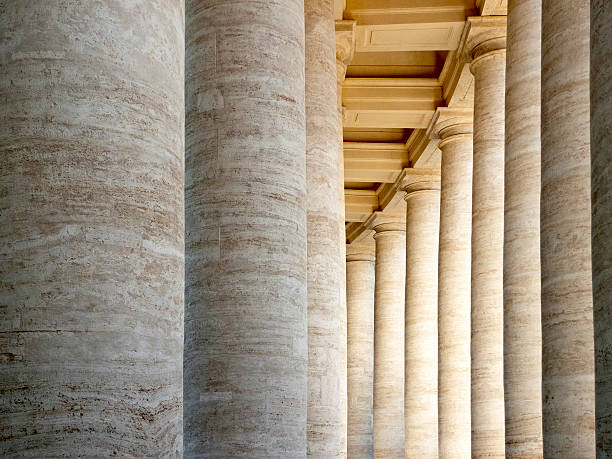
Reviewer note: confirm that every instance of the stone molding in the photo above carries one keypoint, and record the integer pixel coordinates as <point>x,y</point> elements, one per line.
<point>419,180</point>
<point>381,222</point>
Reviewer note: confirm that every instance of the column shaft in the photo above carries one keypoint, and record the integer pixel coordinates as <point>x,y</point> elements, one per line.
<point>325,336</point>
<point>487,254</point>
<point>360,330</point>
<point>454,298</point>
<point>421,315</point>
<point>389,306</point>
<point>567,302</point>
<point>601,193</point>
<point>91,228</point>
<point>522,329</point>
<point>246,302</point>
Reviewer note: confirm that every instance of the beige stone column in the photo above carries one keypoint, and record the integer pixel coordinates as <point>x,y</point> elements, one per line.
<point>422,188</point>
<point>91,228</point>
<point>360,329</point>
<point>488,66</point>
<point>246,351</point>
<point>522,329</point>
<point>567,299</point>
<point>389,304</point>
<point>325,337</point>
<point>601,195</point>
<point>345,48</point>
<point>454,128</point>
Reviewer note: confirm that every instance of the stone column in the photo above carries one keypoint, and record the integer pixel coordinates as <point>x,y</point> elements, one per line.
<point>389,304</point>
<point>489,67</point>
<point>454,128</point>
<point>325,338</point>
<point>91,228</point>
<point>422,189</point>
<point>601,193</point>
<point>246,324</point>
<point>567,299</point>
<point>345,47</point>
<point>360,325</point>
<point>522,329</point>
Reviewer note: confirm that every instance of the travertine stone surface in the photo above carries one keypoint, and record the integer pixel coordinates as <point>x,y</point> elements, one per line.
<point>246,324</point>
<point>454,257</point>
<point>488,66</point>
<point>325,337</point>
<point>522,330</point>
<point>422,187</point>
<point>91,228</point>
<point>601,193</point>
<point>389,306</point>
<point>345,47</point>
<point>567,306</point>
<point>360,325</point>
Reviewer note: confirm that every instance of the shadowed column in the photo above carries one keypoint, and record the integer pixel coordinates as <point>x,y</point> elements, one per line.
<point>360,320</point>
<point>91,228</point>
<point>487,355</point>
<point>601,194</point>
<point>246,302</point>
<point>389,304</point>
<point>325,336</point>
<point>568,403</point>
<point>422,188</point>
<point>454,128</point>
<point>522,328</point>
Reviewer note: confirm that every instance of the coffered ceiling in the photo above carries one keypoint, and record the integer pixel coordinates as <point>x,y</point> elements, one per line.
<point>405,65</point>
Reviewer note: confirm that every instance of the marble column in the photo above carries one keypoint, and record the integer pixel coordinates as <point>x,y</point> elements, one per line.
<point>345,48</point>
<point>422,188</point>
<point>522,329</point>
<point>601,195</point>
<point>91,228</point>
<point>360,327</point>
<point>454,128</point>
<point>567,299</point>
<point>489,67</point>
<point>389,304</point>
<point>324,264</point>
<point>246,352</point>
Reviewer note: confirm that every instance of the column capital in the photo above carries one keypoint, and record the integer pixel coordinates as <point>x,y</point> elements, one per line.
<point>486,36</point>
<point>416,180</point>
<point>345,46</point>
<point>361,251</point>
<point>450,123</point>
<point>382,222</point>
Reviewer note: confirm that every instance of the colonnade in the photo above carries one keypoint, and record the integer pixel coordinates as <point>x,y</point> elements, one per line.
<point>109,235</point>
<point>514,366</point>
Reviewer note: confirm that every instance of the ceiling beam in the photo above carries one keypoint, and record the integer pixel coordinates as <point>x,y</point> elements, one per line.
<point>390,102</point>
<point>360,204</point>
<point>374,162</point>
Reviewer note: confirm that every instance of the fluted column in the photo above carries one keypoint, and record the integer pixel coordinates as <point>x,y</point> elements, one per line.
<point>422,188</point>
<point>454,128</point>
<point>246,301</point>
<point>360,327</point>
<point>91,228</point>
<point>389,303</point>
<point>567,299</point>
<point>325,337</point>
<point>522,329</point>
<point>488,66</point>
<point>601,193</point>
